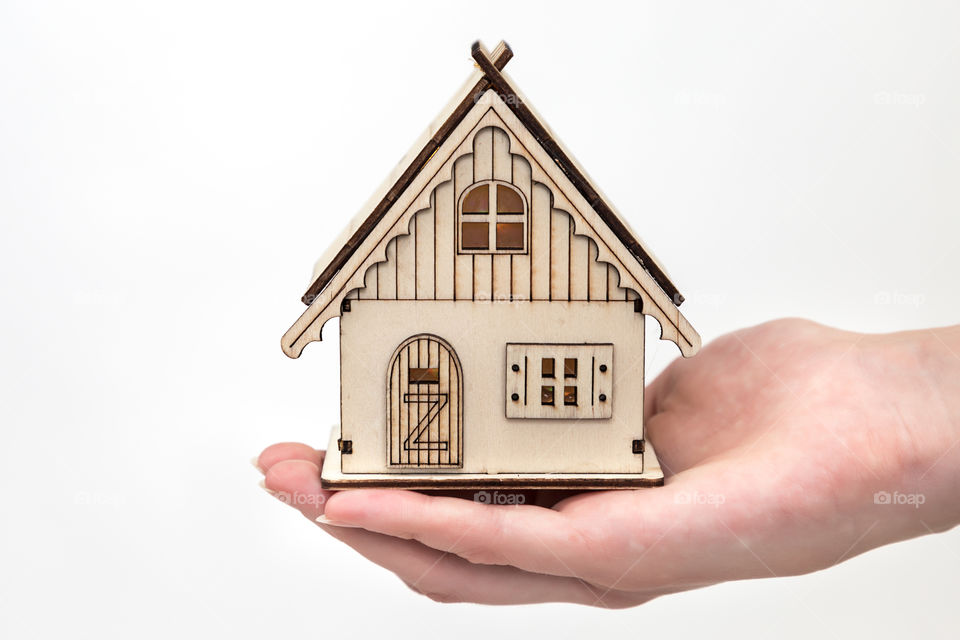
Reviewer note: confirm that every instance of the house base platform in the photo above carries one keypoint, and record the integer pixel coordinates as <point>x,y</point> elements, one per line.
<point>333,479</point>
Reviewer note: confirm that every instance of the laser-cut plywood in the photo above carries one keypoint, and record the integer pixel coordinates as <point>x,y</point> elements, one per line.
<point>559,381</point>
<point>424,404</point>
<point>489,246</point>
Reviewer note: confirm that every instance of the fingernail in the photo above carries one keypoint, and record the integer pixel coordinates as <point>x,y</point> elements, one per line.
<point>263,485</point>
<point>255,461</point>
<point>322,519</point>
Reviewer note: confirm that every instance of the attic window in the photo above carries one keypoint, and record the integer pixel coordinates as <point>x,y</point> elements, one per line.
<point>493,219</point>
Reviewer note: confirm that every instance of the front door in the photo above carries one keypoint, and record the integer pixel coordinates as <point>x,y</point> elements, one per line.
<point>424,404</point>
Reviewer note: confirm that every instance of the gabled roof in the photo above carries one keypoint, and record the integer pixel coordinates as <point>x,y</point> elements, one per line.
<point>340,269</point>
<point>492,78</point>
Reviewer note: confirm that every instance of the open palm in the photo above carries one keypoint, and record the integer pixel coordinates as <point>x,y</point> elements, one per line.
<point>777,443</point>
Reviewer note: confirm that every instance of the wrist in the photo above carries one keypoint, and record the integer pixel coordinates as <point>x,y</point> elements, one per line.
<point>925,397</point>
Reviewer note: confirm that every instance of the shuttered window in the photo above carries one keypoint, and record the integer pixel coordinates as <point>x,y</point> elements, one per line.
<point>562,381</point>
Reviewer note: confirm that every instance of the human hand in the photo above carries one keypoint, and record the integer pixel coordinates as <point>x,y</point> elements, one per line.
<point>779,444</point>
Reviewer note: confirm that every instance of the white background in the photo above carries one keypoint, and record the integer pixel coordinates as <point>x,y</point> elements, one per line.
<point>169,171</point>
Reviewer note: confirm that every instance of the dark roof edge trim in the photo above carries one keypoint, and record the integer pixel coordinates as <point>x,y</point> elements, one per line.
<point>569,168</point>
<point>492,78</point>
<point>502,55</point>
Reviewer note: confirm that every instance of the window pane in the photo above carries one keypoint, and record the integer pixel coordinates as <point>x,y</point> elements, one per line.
<point>474,235</point>
<point>508,200</point>
<point>478,200</point>
<point>546,367</point>
<point>424,375</point>
<point>509,235</point>
<point>570,395</point>
<point>546,395</point>
<point>569,367</point>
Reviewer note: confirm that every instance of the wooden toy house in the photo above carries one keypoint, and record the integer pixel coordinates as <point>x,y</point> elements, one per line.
<point>491,307</point>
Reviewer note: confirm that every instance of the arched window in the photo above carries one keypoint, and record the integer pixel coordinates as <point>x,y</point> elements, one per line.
<point>493,219</point>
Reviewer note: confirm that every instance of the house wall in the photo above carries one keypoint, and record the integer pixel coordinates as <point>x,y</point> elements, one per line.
<point>478,332</point>
<point>423,263</point>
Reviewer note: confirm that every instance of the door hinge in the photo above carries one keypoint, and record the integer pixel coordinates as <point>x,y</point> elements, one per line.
<point>345,446</point>
<point>638,446</point>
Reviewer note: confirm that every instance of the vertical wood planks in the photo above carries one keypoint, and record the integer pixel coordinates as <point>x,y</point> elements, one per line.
<point>483,170</point>
<point>482,277</point>
<point>579,266</point>
<point>463,264</point>
<point>597,275</point>
<point>502,170</point>
<point>540,242</point>
<point>455,450</point>
<point>370,284</point>
<point>502,278</point>
<point>387,273</point>
<point>433,358</point>
<point>444,247</point>
<point>425,247</point>
<point>558,264</point>
<point>559,255</point>
<point>483,155</point>
<point>443,424</point>
<point>520,264</point>
<point>406,264</point>
<point>614,291</point>
<point>417,359</point>
<point>393,409</point>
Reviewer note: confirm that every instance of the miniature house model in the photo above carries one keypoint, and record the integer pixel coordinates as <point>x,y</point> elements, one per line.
<point>491,306</point>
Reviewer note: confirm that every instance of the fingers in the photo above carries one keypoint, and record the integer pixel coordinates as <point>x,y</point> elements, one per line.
<point>647,541</point>
<point>288,451</point>
<point>655,391</point>
<point>292,475</point>
<point>651,396</point>
<point>297,483</point>
<point>507,554</point>
<point>444,577</point>
<point>528,537</point>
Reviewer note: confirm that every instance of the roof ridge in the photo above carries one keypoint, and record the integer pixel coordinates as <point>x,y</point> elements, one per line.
<point>503,54</point>
<point>573,173</point>
<point>491,66</point>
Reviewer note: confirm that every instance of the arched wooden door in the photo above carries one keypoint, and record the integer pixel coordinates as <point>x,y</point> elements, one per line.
<point>424,404</point>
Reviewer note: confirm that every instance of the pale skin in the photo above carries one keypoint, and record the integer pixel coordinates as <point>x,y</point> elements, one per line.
<point>775,441</point>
